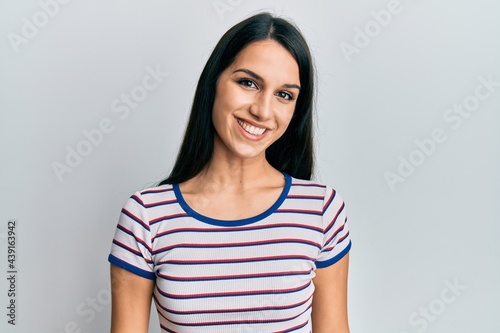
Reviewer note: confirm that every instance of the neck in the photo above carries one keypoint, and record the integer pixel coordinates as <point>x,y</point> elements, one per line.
<point>237,175</point>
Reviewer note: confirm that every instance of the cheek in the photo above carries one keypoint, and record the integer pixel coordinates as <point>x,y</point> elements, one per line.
<point>287,115</point>
<point>224,100</point>
<point>219,106</point>
<point>217,117</point>
<point>284,120</point>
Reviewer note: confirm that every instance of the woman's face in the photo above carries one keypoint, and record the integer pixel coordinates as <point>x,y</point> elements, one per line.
<point>255,99</point>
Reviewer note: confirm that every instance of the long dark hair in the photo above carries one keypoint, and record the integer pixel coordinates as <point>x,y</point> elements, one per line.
<point>293,152</point>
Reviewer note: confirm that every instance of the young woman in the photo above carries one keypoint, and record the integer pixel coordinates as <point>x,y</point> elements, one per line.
<point>238,238</point>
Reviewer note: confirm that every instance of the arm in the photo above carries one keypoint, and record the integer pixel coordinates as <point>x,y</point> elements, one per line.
<point>131,301</point>
<point>329,306</point>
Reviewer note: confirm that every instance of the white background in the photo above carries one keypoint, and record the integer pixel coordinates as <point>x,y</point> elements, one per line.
<point>435,227</point>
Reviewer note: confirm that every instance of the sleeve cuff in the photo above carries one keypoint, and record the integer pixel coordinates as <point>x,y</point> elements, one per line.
<point>131,268</point>
<point>331,261</point>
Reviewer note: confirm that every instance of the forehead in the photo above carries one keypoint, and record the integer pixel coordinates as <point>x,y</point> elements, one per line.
<point>268,59</point>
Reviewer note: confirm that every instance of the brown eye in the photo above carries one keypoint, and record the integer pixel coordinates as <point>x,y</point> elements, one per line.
<point>247,83</point>
<point>285,95</point>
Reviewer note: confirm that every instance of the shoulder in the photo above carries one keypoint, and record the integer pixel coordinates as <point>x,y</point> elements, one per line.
<point>150,196</point>
<point>307,183</point>
<point>313,189</point>
<point>310,187</point>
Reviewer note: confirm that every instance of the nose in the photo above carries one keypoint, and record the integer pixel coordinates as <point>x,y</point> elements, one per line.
<point>261,108</point>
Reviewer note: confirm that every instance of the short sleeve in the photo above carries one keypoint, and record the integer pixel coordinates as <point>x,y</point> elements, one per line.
<point>336,239</point>
<point>131,248</point>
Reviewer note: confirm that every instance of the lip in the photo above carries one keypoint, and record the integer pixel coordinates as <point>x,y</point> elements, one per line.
<point>249,135</point>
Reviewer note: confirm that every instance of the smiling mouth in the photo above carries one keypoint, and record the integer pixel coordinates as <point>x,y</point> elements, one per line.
<point>250,128</point>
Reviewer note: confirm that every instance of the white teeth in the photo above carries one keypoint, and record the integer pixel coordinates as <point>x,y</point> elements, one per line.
<point>251,129</point>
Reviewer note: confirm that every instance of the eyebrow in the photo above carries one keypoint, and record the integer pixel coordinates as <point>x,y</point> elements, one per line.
<point>259,78</point>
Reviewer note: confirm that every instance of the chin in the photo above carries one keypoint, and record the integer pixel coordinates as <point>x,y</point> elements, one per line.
<point>248,153</point>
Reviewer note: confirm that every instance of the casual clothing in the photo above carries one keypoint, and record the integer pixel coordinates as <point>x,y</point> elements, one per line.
<point>248,275</point>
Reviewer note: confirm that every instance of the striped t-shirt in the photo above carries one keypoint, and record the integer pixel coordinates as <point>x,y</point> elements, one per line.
<point>248,275</point>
